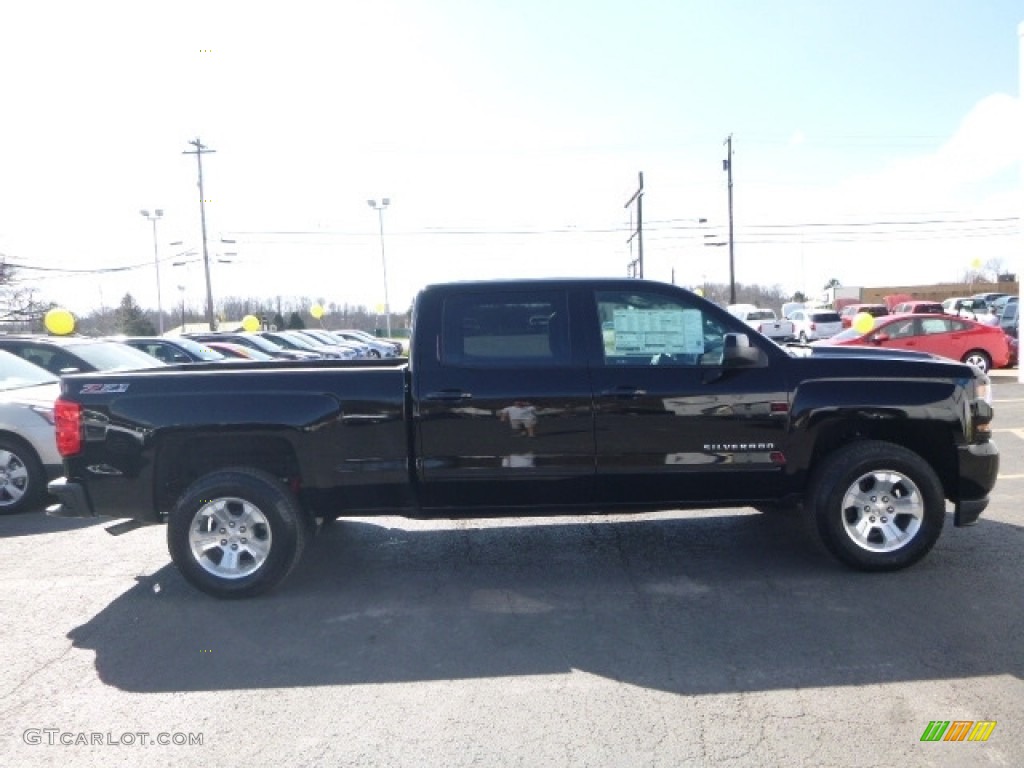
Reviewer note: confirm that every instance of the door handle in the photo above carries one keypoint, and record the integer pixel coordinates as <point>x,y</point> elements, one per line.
<point>449,395</point>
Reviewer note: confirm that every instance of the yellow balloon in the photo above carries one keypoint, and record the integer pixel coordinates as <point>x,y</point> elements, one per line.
<point>863,322</point>
<point>59,322</point>
<point>251,323</point>
<point>316,311</point>
<point>975,263</point>
<point>699,291</point>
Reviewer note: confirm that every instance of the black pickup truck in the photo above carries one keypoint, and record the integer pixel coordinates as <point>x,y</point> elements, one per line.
<point>531,397</point>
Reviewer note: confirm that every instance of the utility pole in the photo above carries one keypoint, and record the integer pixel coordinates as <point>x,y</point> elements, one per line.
<point>727,167</point>
<point>199,151</point>
<point>636,267</point>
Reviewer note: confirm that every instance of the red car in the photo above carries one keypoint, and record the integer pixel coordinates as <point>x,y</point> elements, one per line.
<point>850,311</point>
<point>919,308</point>
<point>983,346</point>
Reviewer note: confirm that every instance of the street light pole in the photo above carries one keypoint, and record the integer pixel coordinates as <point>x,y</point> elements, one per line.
<point>379,207</point>
<point>154,217</point>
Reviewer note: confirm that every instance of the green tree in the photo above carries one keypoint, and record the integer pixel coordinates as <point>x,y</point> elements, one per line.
<point>833,283</point>
<point>131,320</point>
<point>295,322</point>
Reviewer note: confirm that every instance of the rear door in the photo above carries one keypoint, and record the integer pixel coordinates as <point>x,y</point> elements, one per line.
<point>502,402</point>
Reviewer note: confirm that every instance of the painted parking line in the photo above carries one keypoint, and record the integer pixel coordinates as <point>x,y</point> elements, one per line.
<point>1018,432</point>
<point>1009,477</point>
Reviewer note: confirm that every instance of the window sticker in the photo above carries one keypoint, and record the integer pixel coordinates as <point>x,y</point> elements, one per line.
<point>649,332</point>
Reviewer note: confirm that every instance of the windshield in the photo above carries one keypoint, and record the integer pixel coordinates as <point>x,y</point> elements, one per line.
<point>201,351</point>
<point>848,335</point>
<point>16,373</point>
<point>112,356</point>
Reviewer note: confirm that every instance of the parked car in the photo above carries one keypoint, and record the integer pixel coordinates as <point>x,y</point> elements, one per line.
<point>763,321</point>
<point>790,307</point>
<point>850,311</point>
<point>369,338</point>
<point>76,354</point>
<point>233,351</point>
<point>1009,318</point>
<point>254,341</point>
<point>320,336</point>
<point>989,298</point>
<point>172,350</point>
<point>1000,304</point>
<point>919,308</point>
<point>971,307</point>
<point>814,324</point>
<point>28,444</point>
<point>957,338</point>
<point>376,347</point>
<point>297,341</point>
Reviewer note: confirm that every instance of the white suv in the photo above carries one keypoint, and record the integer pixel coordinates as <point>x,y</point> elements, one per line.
<point>812,324</point>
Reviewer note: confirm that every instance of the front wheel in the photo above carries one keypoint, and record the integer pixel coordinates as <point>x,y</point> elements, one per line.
<point>236,532</point>
<point>979,359</point>
<point>877,506</point>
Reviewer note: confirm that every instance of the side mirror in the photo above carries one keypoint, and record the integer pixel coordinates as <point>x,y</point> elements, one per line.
<point>738,353</point>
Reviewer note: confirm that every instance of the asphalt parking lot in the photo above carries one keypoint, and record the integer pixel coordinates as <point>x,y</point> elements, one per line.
<point>699,638</point>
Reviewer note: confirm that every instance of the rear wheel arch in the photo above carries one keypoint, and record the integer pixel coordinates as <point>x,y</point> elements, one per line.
<point>182,461</point>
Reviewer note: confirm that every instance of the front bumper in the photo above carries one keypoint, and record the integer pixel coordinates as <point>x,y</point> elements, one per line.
<point>72,500</point>
<point>979,467</point>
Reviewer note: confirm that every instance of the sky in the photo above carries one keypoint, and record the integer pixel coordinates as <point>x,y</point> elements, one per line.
<point>873,142</point>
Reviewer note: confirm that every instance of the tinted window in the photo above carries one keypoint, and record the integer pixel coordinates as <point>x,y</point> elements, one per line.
<point>506,329</point>
<point>825,317</point>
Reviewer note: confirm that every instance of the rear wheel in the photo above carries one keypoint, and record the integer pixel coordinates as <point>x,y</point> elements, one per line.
<point>236,532</point>
<point>979,359</point>
<point>877,506</point>
<point>22,479</point>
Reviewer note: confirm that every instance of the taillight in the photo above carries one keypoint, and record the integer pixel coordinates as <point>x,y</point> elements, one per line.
<point>67,418</point>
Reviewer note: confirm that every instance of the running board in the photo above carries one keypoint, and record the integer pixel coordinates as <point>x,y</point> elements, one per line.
<point>123,527</point>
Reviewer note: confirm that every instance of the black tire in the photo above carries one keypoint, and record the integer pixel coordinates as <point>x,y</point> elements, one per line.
<point>22,479</point>
<point>979,358</point>
<point>876,506</point>
<point>374,354</point>
<point>264,532</point>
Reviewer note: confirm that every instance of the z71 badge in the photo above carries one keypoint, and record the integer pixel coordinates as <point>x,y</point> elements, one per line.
<point>95,389</point>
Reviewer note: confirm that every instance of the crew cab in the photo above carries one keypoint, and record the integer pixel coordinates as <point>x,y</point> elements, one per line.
<point>527,398</point>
